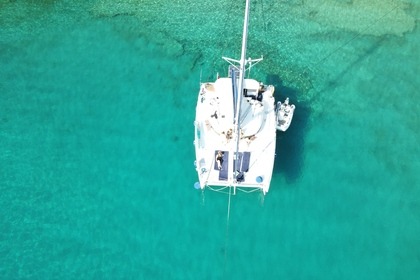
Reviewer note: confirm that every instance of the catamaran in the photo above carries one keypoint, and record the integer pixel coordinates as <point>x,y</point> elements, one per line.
<point>235,128</point>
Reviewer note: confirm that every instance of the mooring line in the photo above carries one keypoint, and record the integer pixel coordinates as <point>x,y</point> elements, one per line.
<point>228,211</point>
<point>359,34</point>
<point>227,228</point>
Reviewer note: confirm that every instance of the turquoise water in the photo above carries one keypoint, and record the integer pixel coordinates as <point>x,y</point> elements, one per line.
<point>97,104</point>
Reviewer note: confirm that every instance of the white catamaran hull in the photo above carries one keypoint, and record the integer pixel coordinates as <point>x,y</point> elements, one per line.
<point>251,166</point>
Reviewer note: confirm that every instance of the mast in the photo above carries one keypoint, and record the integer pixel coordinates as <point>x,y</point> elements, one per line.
<point>242,64</point>
<point>240,88</point>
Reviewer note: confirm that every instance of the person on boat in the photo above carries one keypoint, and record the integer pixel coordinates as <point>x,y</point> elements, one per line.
<point>219,159</point>
<point>260,92</point>
<point>229,134</point>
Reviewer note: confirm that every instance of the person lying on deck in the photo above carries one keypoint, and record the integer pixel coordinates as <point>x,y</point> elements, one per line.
<point>219,159</point>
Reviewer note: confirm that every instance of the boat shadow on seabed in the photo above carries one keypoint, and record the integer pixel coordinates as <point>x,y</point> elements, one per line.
<point>290,144</point>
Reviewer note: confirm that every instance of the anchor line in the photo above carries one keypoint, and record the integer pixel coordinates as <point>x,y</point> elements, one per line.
<point>227,228</point>
<point>360,33</point>
<point>228,211</point>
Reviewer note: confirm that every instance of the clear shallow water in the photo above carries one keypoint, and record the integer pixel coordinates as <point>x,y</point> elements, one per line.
<point>96,109</point>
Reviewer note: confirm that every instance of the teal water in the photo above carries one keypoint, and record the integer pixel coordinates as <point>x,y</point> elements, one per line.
<point>97,102</point>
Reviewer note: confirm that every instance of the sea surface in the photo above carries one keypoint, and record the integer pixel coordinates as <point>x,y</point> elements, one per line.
<point>97,103</point>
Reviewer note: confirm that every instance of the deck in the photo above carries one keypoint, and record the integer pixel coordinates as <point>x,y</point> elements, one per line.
<point>252,166</point>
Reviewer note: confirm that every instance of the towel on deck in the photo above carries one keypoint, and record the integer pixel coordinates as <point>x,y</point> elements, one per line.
<point>223,173</point>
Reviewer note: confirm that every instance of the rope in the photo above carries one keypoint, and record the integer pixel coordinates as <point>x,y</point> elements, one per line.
<point>227,228</point>
<point>249,190</point>
<point>228,210</point>
<point>203,201</point>
<point>357,35</point>
<point>220,190</point>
